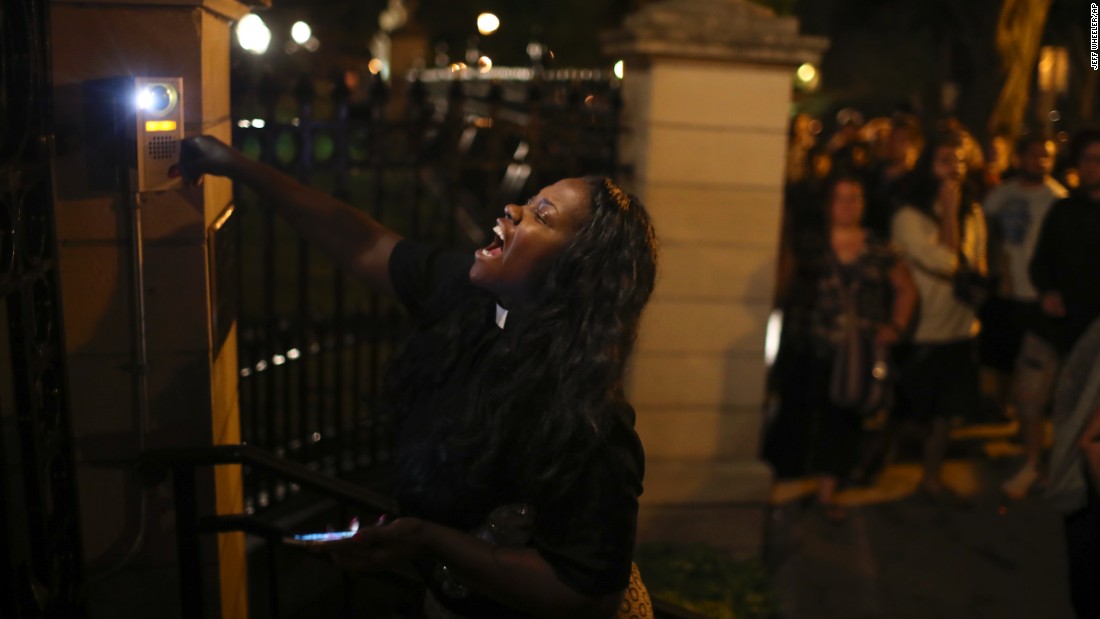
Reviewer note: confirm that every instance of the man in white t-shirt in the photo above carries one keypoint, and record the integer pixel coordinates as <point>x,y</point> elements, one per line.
<point>1015,211</point>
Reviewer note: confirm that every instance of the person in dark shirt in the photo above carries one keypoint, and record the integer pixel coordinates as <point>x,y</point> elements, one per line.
<point>518,468</point>
<point>888,180</point>
<point>1064,270</point>
<point>1065,267</point>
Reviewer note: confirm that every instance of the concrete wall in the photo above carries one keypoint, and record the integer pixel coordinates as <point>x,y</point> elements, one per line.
<point>706,93</point>
<point>709,139</point>
<point>192,391</point>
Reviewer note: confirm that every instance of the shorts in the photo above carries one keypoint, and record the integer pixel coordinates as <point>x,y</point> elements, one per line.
<point>938,381</point>
<point>1036,370</point>
<point>1004,322</point>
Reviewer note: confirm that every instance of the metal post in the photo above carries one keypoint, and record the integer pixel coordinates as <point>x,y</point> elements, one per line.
<point>187,542</point>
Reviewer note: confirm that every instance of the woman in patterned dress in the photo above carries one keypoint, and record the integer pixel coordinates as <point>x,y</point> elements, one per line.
<point>812,434</point>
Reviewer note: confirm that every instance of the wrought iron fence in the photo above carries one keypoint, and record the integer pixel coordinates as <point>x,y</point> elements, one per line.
<point>41,556</point>
<point>435,160</point>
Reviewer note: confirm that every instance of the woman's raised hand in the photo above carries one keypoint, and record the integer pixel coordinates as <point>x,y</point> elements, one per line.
<point>207,155</point>
<point>950,195</point>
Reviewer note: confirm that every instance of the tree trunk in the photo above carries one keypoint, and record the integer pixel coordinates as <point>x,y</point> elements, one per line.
<point>1019,32</point>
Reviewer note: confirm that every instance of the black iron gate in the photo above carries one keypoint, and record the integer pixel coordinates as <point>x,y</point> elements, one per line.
<point>40,552</point>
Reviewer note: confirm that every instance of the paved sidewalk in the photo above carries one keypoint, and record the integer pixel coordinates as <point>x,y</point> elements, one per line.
<point>899,556</point>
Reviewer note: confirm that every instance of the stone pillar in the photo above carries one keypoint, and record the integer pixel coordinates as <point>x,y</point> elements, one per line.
<point>706,91</point>
<point>192,372</point>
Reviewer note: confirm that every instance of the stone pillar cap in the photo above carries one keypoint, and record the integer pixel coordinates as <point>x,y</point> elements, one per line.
<point>732,30</point>
<point>230,9</point>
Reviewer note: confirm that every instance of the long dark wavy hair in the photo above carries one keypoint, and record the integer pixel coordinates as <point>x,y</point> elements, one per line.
<point>544,396</point>
<point>925,187</point>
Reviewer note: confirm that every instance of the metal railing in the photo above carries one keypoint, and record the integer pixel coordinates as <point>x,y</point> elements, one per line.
<point>181,463</point>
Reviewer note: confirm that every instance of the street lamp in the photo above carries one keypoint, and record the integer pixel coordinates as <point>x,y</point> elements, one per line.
<point>253,34</point>
<point>487,23</point>
<point>808,76</point>
<point>300,32</point>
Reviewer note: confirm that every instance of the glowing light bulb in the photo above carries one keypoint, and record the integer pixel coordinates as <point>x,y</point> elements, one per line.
<point>487,23</point>
<point>300,32</point>
<point>807,72</point>
<point>253,34</point>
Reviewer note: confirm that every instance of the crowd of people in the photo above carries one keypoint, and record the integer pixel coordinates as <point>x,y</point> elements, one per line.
<point>928,280</point>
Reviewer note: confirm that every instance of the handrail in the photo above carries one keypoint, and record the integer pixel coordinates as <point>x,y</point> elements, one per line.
<point>154,465</point>
<point>156,462</point>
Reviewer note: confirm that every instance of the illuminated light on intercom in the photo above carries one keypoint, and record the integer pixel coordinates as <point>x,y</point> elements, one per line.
<point>157,98</point>
<point>160,125</point>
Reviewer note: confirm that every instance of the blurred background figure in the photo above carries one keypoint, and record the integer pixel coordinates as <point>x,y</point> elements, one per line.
<point>803,212</point>
<point>802,139</point>
<point>876,134</point>
<point>840,263</point>
<point>848,150</point>
<point>941,231</point>
<point>1074,488</point>
<point>1063,270</point>
<point>1015,211</point>
<point>998,155</point>
<point>886,182</point>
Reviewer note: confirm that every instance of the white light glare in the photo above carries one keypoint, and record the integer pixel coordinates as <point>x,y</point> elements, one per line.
<point>619,67</point>
<point>300,32</point>
<point>252,34</point>
<point>258,123</point>
<point>773,333</point>
<point>487,23</point>
<point>484,64</point>
<point>144,99</point>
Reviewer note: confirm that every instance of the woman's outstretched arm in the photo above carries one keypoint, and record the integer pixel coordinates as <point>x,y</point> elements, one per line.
<point>355,241</point>
<point>516,577</point>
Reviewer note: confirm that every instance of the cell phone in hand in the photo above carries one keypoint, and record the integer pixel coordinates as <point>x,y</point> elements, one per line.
<point>309,539</point>
<point>312,539</point>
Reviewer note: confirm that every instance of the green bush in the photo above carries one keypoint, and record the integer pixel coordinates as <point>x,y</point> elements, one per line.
<point>708,580</point>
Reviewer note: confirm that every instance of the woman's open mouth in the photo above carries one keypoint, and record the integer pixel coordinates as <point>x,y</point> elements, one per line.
<point>495,248</point>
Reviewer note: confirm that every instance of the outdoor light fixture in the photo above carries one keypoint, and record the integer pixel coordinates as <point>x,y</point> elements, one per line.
<point>618,69</point>
<point>806,72</point>
<point>487,23</point>
<point>808,76</point>
<point>253,34</point>
<point>157,98</point>
<point>300,32</point>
